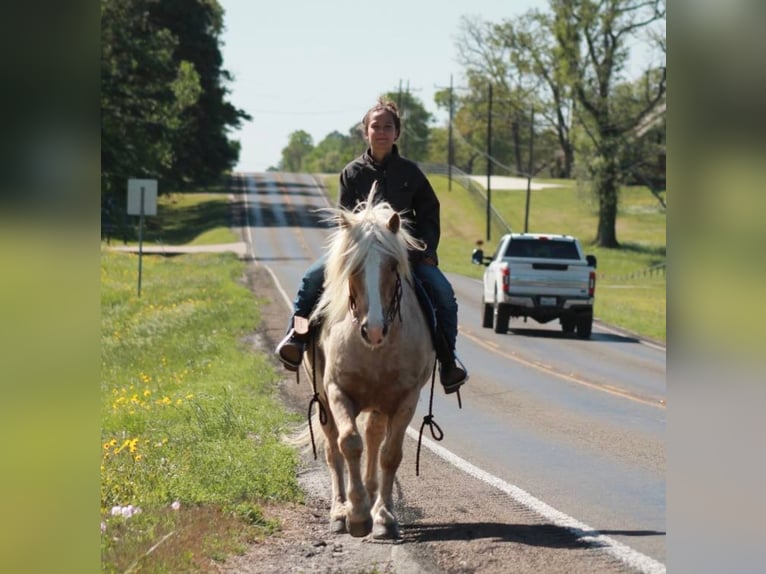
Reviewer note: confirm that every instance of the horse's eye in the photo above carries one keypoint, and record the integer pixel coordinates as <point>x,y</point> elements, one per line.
<point>393,267</point>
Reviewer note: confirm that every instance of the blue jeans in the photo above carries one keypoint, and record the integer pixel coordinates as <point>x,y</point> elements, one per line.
<point>444,301</point>
<point>310,288</point>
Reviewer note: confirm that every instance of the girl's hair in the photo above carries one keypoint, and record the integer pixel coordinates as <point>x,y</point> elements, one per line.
<point>383,105</point>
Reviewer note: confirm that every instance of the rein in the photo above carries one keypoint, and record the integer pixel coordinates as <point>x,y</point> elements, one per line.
<point>436,432</point>
<point>315,399</point>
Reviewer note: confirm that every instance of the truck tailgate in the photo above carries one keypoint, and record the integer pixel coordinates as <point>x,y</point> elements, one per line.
<point>554,278</point>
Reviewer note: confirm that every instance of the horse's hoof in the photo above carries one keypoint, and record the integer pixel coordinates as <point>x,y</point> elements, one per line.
<point>338,526</point>
<point>359,529</point>
<point>385,532</point>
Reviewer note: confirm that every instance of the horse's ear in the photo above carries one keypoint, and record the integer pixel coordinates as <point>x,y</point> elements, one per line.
<point>394,222</point>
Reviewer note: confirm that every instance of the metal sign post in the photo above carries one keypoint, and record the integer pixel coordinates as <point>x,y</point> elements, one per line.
<point>142,200</point>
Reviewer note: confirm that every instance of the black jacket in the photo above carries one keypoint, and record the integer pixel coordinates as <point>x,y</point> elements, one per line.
<point>403,185</point>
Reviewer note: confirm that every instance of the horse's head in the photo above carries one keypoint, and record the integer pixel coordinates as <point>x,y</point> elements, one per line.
<point>366,266</point>
<point>375,289</point>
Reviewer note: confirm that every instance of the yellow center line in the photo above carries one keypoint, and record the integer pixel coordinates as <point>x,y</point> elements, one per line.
<point>495,348</point>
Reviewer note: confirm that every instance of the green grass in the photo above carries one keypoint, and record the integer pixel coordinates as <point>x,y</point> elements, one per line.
<point>627,295</point>
<point>188,410</point>
<point>195,218</point>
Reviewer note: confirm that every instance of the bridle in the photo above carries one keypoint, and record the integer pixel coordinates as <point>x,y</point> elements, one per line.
<point>393,309</point>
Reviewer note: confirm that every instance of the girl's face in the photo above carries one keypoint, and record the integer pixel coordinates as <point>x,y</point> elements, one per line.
<point>381,132</point>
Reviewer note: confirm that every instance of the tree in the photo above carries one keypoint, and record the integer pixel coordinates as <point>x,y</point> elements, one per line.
<point>143,94</point>
<point>413,139</point>
<point>491,55</point>
<point>163,108</point>
<point>335,151</point>
<point>532,37</point>
<point>594,45</point>
<point>203,150</point>
<point>299,146</point>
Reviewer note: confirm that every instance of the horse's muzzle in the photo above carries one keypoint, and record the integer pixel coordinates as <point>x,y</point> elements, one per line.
<point>374,335</point>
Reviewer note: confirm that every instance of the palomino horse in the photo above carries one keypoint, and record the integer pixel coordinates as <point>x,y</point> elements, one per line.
<point>372,357</point>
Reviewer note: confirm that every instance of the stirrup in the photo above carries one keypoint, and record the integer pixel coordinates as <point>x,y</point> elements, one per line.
<point>293,347</point>
<point>295,342</point>
<point>453,386</point>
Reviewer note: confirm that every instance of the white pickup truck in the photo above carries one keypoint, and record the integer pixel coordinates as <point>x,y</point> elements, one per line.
<point>543,276</point>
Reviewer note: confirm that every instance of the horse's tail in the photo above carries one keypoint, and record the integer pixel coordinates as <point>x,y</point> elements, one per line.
<point>300,437</point>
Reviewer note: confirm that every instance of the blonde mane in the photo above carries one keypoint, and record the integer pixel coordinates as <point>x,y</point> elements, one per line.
<point>358,233</point>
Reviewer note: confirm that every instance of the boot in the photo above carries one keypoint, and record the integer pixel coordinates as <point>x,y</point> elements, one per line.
<point>290,349</point>
<point>451,375</point>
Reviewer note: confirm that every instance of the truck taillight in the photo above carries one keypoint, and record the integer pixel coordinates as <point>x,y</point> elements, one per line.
<point>506,274</point>
<point>592,284</point>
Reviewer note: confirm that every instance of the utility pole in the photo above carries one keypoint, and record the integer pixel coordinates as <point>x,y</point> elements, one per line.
<point>529,168</point>
<point>403,113</point>
<point>489,160</point>
<point>450,148</point>
<point>399,107</point>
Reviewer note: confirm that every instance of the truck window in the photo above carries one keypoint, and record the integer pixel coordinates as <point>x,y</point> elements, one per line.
<point>564,250</point>
<point>542,249</point>
<point>519,248</point>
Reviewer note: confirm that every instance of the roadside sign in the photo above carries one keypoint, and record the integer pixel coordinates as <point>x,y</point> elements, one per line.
<point>149,187</point>
<point>142,201</point>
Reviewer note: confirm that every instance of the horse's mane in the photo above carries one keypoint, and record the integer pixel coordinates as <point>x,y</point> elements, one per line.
<point>359,232</point>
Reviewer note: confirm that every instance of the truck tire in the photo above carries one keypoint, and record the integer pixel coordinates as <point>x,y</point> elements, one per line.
<point>568,324</point>
<point>502,317</point>
<point>585,326</point>
<point>487,314</point>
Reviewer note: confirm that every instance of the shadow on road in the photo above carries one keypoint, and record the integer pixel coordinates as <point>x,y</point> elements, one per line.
<point>548,334</point>
<point>548,535</point>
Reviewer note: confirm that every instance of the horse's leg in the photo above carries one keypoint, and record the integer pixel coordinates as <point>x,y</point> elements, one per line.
<point>386,524</point>
<point>373,436</point>
<point>335,463</point>
<point>358,518</point>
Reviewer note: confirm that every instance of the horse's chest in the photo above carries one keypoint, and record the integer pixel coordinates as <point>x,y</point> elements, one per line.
<point>368,376</point>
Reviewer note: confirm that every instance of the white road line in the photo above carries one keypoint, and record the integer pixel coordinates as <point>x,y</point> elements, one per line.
<point>583,532</point>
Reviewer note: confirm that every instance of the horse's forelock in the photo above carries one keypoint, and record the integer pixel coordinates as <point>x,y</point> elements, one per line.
<point>357,233</point>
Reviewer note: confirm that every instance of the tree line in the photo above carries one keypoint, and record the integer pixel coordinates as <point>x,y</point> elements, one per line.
<point>546,94</point>
<point>164,108</point>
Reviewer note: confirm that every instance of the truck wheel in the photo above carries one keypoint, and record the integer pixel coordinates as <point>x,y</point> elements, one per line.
<point>585,326</point>
<point>487,314</point>
<point>567,325</point>
<point>502,317</point>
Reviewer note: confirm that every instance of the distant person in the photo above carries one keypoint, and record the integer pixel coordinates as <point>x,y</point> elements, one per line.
<point>406,188</point>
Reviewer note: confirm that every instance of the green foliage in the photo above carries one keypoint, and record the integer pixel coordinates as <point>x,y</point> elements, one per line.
<point>335,151</point>
<point>139,111</point>
<point>188,411</point>
<point>414,136</point>
<point>164,112</point>
<point>298,148</point>
<point>594,69</point>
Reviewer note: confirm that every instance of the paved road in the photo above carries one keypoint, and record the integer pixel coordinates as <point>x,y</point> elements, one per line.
<point>568,431</point>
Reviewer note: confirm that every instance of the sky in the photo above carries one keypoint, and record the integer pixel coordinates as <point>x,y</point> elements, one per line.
<point>319,65</point>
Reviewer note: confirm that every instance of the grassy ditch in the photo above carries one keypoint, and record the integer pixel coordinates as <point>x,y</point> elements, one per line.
<point>190,426</point>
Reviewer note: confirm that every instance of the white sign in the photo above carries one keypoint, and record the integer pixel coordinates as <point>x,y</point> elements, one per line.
<point>149,187</point>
